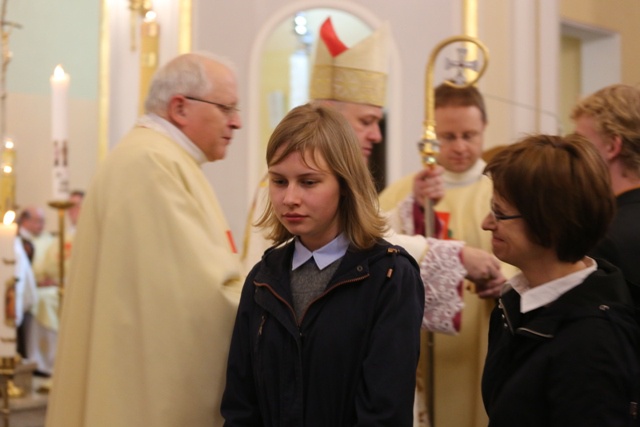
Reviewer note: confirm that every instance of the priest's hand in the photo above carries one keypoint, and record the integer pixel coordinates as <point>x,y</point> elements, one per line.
<point>428,185</point>
<point>483,269</point>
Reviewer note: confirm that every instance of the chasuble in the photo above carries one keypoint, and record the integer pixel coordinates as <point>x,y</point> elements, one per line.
<point>458,360</point>
<point>151,298</point>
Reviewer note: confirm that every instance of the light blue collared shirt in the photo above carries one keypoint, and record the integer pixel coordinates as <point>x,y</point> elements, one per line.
<point>326,255</point>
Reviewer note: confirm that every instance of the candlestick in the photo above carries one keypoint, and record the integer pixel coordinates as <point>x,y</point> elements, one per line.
<point>8,230</point>
<point>149,36</point>
<point>7,177</point>
<point>59,132</point>
<point>61,206</point>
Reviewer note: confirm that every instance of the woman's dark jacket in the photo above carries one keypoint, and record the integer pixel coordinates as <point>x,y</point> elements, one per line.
<point>571,363</point>
<point>350,360</point>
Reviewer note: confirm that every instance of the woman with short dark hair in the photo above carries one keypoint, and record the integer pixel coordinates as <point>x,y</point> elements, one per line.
<point>563,341</point>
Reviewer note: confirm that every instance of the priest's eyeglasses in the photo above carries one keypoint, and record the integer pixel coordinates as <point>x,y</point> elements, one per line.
<point>228,110</point>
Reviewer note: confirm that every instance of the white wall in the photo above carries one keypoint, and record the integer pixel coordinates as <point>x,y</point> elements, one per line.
<point>62,32</point>
<point>236,29</point>
<point>522,75</point>
<point>520,83</point>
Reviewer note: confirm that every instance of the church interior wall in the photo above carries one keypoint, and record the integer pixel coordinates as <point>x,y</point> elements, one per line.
<point>520,85</point>
<point>570,79</point>
<point>493,24</point>
<point>598,48</point>
<point>64,32</point>
<point>415,28</point>
<point>621,17</point>
<point>521,91</point>
<point>123,78</point>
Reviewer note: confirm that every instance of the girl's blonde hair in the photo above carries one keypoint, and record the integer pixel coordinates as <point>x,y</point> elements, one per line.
<point>317,130</point>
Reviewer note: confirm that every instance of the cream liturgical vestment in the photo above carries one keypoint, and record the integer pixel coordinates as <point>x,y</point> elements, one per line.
<point>459,359</point>
<point>152,295</point>
<point>42,339</point>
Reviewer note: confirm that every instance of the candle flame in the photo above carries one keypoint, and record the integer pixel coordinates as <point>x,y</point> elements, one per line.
<point>58,72</point>
<point>9,217</point>
<point>8,143</point>
<point>7,169</point>
<point>150,16</point>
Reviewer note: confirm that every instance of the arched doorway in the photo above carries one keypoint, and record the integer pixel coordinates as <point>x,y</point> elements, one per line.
<point>286,61</point>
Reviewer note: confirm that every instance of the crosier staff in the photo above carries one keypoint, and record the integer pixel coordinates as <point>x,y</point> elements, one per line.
<point>428,148</point>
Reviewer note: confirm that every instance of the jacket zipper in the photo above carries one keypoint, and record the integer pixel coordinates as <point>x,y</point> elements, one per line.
<point>539,334</point>
<point>531,331</point>
<point>275,294</point>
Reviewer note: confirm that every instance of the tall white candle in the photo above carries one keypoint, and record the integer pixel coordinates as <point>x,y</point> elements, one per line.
<point>59,132</point>
<point>7,273</point>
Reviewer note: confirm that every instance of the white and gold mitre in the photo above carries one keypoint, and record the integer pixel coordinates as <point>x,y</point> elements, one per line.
<point>356,74</point>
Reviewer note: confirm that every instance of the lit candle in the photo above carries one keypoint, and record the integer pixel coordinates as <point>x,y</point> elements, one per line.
<point>150,38</point>
<point>59,132</point>
<point>8,230</point>
<point>8,152</point>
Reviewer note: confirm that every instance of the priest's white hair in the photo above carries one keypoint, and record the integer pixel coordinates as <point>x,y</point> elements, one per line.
<point>186,74</point>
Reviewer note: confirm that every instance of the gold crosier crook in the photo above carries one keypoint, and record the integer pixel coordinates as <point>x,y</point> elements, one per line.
<point>429,148</point>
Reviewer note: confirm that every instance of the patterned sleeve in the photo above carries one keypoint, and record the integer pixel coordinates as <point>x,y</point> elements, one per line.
<point>441,270</point>
<point>443,275</point>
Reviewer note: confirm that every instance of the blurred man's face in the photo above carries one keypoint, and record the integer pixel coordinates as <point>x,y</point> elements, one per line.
<point>365,121</point>
<point>586,126</point>
<point>35,223</point>
<point>460,131</point>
